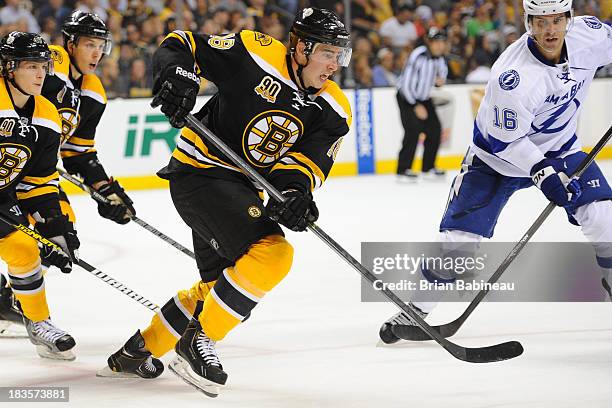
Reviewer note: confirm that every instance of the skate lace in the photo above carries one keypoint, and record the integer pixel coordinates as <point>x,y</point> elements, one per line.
<point>206,347</point>
<point>403,318</point>
<point>47,331</point>
<point>148,365</point>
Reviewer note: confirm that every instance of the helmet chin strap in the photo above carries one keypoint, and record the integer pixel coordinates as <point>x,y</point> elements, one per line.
<point>310,90</point>
<point>14,83</point>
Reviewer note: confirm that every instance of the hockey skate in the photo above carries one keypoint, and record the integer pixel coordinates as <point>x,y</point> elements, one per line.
<point>11,318</point>
<point>386,333</point>
<point>407,177</point>
<point>50,341</point>
<point>197,362</point>
<point>132,361</point>
<point>434,175</point>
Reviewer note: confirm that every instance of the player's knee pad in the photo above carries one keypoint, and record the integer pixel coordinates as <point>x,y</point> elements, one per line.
<point>240,288</point>
<point>20,252</point>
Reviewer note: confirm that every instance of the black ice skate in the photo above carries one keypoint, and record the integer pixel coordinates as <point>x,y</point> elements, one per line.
<point>197,362</point>
<point>386,334</point>
<point>50,341</point>
<point>11,318</point>
<point>132,360</point>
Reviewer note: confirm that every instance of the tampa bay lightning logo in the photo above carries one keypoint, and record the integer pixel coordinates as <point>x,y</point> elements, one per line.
<point>509,80</point>
<point>592,22</point>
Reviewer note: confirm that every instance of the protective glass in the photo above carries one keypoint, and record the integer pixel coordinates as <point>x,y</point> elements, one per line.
<point>327,54</point>
<point>548,24</point>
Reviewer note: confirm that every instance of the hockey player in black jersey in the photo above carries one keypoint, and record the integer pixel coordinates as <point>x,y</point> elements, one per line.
<point>279,110</point>
<point>79,97</point>
<point>29,142</point>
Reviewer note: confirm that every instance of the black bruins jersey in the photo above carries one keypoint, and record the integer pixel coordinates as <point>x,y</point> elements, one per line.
<point>288,136</point>
<point>80,104</point>
<point>29,144</point>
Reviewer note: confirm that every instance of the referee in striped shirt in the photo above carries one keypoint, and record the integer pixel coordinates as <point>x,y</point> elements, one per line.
<point>425,68</point>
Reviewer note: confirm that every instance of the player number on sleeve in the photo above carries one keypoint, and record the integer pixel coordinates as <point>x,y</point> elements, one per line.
<point>507,119</point>
<point>222,42</point>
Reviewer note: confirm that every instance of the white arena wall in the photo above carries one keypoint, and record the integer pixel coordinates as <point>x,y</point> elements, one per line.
<point>134,140</point>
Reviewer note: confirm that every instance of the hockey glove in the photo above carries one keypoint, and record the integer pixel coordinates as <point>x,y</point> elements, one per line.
<point>120,208</point>
<point>556,186</point>
<point>177,94</point>
<point>296,212</point>
<point>60,231</point>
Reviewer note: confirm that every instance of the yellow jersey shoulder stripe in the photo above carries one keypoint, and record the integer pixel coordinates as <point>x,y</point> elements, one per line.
<point>61,63</point>
<point>268,53</point>
<point>7,109</point>
<point>92,87</point>
<point>332,93</point>
<point>45,114</point>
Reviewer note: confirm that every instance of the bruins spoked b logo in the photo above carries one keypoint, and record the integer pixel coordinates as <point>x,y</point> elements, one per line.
<point>13,158</point>
<point>269,135</point>
<point>70,120</point>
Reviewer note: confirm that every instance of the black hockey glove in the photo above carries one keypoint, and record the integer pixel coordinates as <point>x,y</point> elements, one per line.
<point>120,208</point>
<point>555,185</point>
<point>177,94</point>
<point>60,231</point>
<point>296,212</point>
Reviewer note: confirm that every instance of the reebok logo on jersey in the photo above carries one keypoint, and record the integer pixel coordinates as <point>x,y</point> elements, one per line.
<point>509,80</point>
<point>187,74</point>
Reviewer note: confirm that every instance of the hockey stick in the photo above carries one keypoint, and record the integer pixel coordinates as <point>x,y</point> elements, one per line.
<point>94,271</point>
<point>99,197</point>
<point>413,333</point>
<point>498,352</point>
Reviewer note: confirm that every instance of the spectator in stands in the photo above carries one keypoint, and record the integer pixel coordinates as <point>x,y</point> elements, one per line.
<point>92,6</point>
<point>480,69</point>
<point>221,17</point>
<point>137,12</point>
<point>109,75</point>
<point>363,20</point>
<point>55,9</point>
<point>140,83</point>
<point>49,28</point>
<point>382,72</point>
<point>363,72</point>
<point>481,23</point>
<point>15,16</point>
<point>399,31</point>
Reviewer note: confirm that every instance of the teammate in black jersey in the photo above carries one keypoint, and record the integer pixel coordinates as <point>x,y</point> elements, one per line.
<point>279,110</point>
<point>29,143</point>
<point>79,97</point>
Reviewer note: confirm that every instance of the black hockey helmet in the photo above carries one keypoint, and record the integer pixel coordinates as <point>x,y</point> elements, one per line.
<point>83,24</point>
<point>319,26</point>
<point>19,46</point>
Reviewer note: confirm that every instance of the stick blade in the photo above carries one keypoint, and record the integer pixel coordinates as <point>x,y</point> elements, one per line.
<point>415,333</point>
<point>491,354</point>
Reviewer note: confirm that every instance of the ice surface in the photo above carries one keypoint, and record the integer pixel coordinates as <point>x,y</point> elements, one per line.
<point>311,342</point>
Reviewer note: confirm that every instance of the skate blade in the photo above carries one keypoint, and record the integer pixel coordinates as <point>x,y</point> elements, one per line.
<point>181,368</point>
<point>10,330</point>
<point>44,352</point>
<point>106,372</point>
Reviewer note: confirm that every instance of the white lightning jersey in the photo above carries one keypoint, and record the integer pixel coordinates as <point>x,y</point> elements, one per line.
<point>530,108</point>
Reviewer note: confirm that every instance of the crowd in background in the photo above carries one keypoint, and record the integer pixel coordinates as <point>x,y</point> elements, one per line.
<point>384,32</point>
